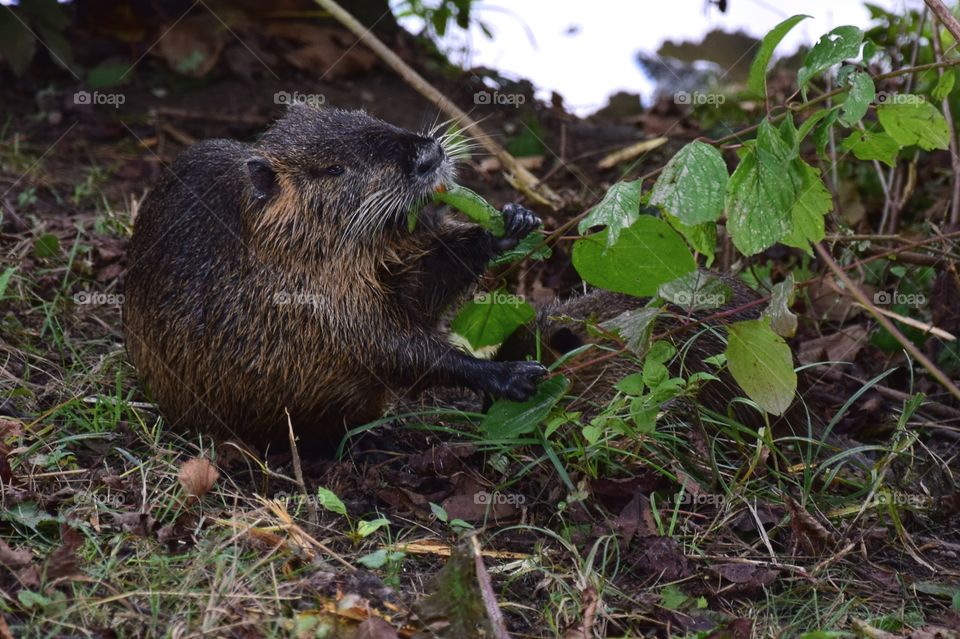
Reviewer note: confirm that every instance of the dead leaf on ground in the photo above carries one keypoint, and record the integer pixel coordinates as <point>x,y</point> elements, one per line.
<point>745,576</point>
<point>376,628</point>
<point>812,536</point>
<point>662,556</point>
<point>64,562</point>
<point>13,559</point>
<point>192,46</point>
<point>741,628</point>
<point>197,476</point>
<point>842,346</point>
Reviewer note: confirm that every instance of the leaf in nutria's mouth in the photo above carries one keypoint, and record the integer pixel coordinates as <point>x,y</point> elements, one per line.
<point>467,202</point>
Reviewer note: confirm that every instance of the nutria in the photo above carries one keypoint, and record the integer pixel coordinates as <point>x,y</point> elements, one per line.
<point>282,276</point>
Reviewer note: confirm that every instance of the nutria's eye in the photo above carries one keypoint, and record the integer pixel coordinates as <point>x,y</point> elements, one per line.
<point>334,170</point>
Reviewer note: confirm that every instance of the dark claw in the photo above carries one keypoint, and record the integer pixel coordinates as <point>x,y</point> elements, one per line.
<point>517,381</point>
<point>519,221</point>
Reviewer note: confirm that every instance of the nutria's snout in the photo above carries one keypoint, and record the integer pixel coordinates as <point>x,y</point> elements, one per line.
<point>432,167</point>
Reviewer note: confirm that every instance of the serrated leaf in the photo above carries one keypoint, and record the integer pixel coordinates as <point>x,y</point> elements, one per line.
<point>859,96</point>
<point>692,184</point>
<point>812,203</point>
<point>631,385</point>
<point>507,419</point>
<point>619,209</point>
<point>329,500</point>
<point>870,145</point>
<point>757,80</point>
<point>633,326</point>
<point>647,254</point>
<point>915,122</point>
<point>944,85</point>
<point>832,48</point>
<point>696,291</point>
<point>491,317</point>
<point>782,320</point>
<point>760,194</point>
<point>533,242</point>
<point>762,364</point>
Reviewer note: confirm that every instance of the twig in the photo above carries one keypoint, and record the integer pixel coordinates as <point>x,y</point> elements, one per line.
<point>494,614</point>
<point>943,15</point>
<point>908,346</point>
<point>954,146</point>
<point>517,175</point>
<point>298,473</point>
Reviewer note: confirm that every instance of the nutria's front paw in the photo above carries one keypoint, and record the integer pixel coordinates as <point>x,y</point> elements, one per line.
<point>518,222</point>
<point>516,381</point>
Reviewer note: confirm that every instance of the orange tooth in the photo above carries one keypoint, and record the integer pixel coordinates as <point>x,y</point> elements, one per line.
<point>441,188</point>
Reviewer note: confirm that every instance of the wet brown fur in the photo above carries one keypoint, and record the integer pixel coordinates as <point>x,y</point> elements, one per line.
<point>218,248</point>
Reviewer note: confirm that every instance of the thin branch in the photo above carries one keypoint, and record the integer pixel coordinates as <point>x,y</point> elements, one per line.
<point>857,293</point>
<point>954,146</point>
<point>943,15</point>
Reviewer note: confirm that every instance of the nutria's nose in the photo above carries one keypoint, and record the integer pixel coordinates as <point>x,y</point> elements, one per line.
<point>429,158</point>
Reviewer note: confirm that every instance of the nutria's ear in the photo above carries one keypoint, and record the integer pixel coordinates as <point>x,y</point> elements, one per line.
<point>262,177</point>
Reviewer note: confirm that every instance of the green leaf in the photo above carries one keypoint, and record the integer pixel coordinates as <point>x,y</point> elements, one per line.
<point>648,253</point>
<point>439,512</point>
<point>330,501</point>
<point>5,279</point>
<point>915,122</point>
<point>619,209</point>
<point>491,317</point>
<point>834,47</point>
<point>812,121</point>
<point>367,528</point>
<point>108,75</point>
<point>757,80</point>
<point>868,145</point>
<point>533,242</point>
<point>782,319</point>
<point>701,237</point>
<point>17,44</point>
<point>812,203</point>
<point>692,184</point>
<point>760,194</point>
<point>762,364</point>
<point>859,97</point>
<point>631,385</point>
<point>696,291</point>
<point>507,419</point>
<point>633,326</point>
<point>944,85</point>
<point>473,206</point>
<point>47,245</point>
<point>821,134</point>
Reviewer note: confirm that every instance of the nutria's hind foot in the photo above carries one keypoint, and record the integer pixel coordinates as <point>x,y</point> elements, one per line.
<point>516,381</point>
<point>518,222</point>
